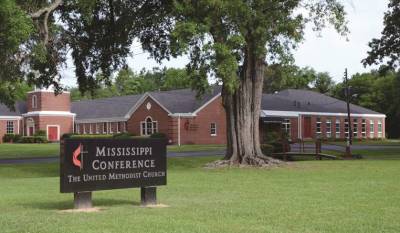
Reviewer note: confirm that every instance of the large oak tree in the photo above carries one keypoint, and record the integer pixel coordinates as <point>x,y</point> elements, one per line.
<point>231,40</point>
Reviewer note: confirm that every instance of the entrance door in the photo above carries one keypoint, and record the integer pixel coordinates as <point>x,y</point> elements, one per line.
<point>307,127</point>
<point>30,130</point>
<point>52,133</point>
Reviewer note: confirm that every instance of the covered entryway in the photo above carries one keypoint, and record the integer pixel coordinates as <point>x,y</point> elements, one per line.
<point>53,133</point>
<point>30,127</point>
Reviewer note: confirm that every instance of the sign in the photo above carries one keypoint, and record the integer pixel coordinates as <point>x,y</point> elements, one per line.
<point>101,164</point>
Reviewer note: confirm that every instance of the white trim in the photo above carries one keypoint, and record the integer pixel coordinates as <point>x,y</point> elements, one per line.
<point>295,114</point>
<point>183,115</point>
<point>140,102</point>
<point>58,131</point>
<point>101,120</point>
<point>215,128</point>
<point>47,91</point>
<point>10,117</point>
<point>207,103</point>
<point>49,113</point>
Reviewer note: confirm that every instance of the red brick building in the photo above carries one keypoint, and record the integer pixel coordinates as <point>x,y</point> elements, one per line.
<point>184,118</point>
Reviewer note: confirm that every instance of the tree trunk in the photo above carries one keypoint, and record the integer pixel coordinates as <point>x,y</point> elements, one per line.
<point>243,108</point>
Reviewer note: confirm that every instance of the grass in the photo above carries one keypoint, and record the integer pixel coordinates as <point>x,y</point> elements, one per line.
<point>52,149</point>
<point>310,196</point>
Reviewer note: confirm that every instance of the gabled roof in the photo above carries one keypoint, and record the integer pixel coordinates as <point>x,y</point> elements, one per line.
<point>309,101</point>
<point>20,108</point>
<point>118,108</point>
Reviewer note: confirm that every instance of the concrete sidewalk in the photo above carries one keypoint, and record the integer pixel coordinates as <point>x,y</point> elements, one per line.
<point>54,159</point>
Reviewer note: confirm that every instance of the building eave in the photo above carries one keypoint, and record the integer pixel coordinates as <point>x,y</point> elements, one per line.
<point>297,114</point>
<point>49,113</point>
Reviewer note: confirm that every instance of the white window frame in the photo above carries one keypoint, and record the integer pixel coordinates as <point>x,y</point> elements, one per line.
<point>372,129</point>
<point>144,127</point>
<point>90,128</point>
<point>346,128</point>
<point>328,128</point>
<point>287,126</point>
<point>110,127</point>
<point>355,127</point>
<point>364,128</point>
<point>10,128</point>
<point>34,101</point>
<point>105,128</point>
<point>118,127</point>
<point>124,127</point>
<point>380,131</point>
<point>213,127</point>
<point>97,128</point>
<point>77,129</point>
<point>318,127</point>
<point>84,128</point>
<point>337,128</point>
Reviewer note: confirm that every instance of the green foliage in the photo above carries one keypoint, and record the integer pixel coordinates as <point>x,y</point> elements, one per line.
<point>40,133</point>
<point>158,135</point>
<point>34,139</point>
<point>123,135</point>
<point>387,48</point>
<point>11,138</point>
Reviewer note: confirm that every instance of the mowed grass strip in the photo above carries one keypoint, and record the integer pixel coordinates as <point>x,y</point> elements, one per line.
<point>313,196</point>
<point>17,150</point>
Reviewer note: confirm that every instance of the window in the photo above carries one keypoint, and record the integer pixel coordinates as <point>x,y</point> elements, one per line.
<point>346,128</point>
<point>318,130</point>
<point>97,128</point>
<point>84,128</point>
<point>104,128</point>
<point>148,127</point>
<point>118,127</point>
<point>77,129</point>
<point>380,129</point>
<point>10,127</point>
<point>286,127</point>
<point>90,129</point>
<point>371,129</point>
<point>328,128</point>
<point>34,101</point>
<point>355,127</point>
<point>124,129</point>
<point>337,128</point>
<point>364,128</point>
<point>110,127</point>
<point>213,129</point>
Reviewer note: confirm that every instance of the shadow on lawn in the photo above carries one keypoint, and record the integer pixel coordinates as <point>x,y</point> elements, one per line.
<point>69,204</point>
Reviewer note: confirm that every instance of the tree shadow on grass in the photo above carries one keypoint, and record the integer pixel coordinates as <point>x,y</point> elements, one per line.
<point>69,204</point>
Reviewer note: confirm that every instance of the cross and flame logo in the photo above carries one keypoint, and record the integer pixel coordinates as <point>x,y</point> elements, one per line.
<point>78,152</point>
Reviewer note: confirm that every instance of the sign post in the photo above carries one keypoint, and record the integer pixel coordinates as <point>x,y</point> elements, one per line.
<point>88,165</point>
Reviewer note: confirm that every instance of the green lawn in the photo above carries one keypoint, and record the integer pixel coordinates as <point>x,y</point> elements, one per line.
<point>50,150</point>
<point>312,196</point>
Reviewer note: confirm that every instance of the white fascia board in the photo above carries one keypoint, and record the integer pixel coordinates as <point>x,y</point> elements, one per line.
<point>141,101</point>
<point>185,115</point>
<point>49,113</point>
<point>101,120</point>
<point>47,91</point>
<point>10,117</point>
<point>207,103</point>
<point>296,114</point>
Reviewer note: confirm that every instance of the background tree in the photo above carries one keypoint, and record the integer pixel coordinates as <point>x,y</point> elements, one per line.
<point>387,48</point>
<point>231,41</point>
<point>323,83</point>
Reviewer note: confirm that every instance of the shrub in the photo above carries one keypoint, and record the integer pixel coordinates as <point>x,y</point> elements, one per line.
<point>89,136</point>
<point>267,149</point>
<point>40,133</point>
<point>11,138</point>
<point>123,135</point>
<point>33,139</point>
<point>158,135</point>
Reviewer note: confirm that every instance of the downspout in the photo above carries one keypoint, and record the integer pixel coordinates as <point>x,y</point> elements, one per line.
<point>179,129</point>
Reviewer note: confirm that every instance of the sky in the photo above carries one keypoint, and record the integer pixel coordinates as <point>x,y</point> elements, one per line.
<point>327,52</point>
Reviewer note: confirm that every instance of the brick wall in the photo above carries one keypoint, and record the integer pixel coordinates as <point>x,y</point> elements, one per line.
<point>156,112</point>
<point>47,101</point>
<point>41,122</point>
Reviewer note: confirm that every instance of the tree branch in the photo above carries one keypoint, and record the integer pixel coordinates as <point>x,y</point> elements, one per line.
<point>46,11</point>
